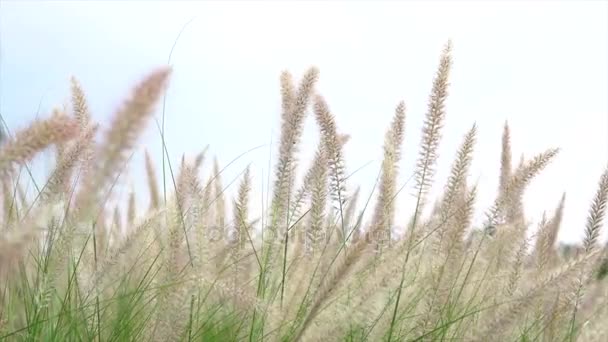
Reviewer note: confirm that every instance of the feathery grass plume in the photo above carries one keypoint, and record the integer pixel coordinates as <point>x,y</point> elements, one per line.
<point>352,255</point>
<point>140,285</point>
<point>596,214</point>
<point>517,265</point>
<point>455,248</point>
<point>295,210</point>
<point>451,222</point>
<point>515,190</point>
<point>385,206</point>
<point>547,236</point>
<point>305,234</point>
<point>80,110</point>
<point>60,150</point>
<point>291,132</point>
<point>8,202</point>
<point>79,103</point>
<point>347,261</point>
<point>288,94</point>
<point>456,184</point>
<point>330,283</point>
<point>13,246</point>
<point>505,160</point>
<point>194,211</point>
<point>501,320</point>
<point>303,192</point>
<point>507,209</point>
<point>431,131</point>
<point>219,199</point>
<point>463,219</point>
<point>592,231</point>
<point>170,298</point>
<point>522,159</point>
<point>449,217</point>
<point>21,193</point>
<point>332,144</point>
<point>61,178</point>
<point>197,210</point>
<point>152,186</point>
<point>210,230</point>
<point>181,190</point>
<point>315,233</point>
<point>241,212</point>
<point>294,110</point>
<point>542,248</point>
<point>425,166</point>
<point>241,233</point>
<point>188,206</point>
<point>349,212</point>
<point>596,313</point>
<point>36,137</point>
<point>315,230</point>
<point>131,208</point>
<point>117,226</point>
<point>204,243</point>
<point>110,260</point>
<point>128,123</point>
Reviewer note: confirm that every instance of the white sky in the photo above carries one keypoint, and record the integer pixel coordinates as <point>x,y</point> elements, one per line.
<point>541,65</point>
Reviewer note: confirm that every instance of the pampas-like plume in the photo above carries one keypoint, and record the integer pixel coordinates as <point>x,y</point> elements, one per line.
<point>294,107</point>
<point>332,146</point>
<point>14,243</point>
<point>128,123</point>
<point>337,274</point>
<point>59,182</point>
<point>242,233</point>
<point>315,232</point>
<point>294,110</point>
<point>122,247</point>
<point>349,212</point>
<point>425,167</point>
<point>152,186</point>
<point>508,208</point>
<point>547,235</point>
<point>334,288</point>
<point>457,180</point>
<point>428,156</point>
<point>35,138</point>
<point>385,207</point>
<point>596,214</point>
<point>431,131</point>
<point>505,160</point>
<point>304,191</point>
<point>79,103</point>
<point>511,310</point>
<point>81,112</point>
<point>220,201</point>
<point>131,209</point>
<point>241,212</point>
<point>117,228</point>
<point>592,232</point>
<point>522,176</point>
<point>452,221</point>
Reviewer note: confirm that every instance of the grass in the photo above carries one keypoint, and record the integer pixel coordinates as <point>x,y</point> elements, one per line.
<point>196,266</point>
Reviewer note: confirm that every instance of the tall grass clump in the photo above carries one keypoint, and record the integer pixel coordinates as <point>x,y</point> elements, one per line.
<point>198,266</point>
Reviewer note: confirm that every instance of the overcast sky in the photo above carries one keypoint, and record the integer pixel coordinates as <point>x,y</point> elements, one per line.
<point>541,65</point>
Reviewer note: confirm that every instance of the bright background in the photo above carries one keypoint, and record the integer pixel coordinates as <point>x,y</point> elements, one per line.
<point>541,65</point>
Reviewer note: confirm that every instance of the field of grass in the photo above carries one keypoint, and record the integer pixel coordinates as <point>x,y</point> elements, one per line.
<point>191,266</point>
